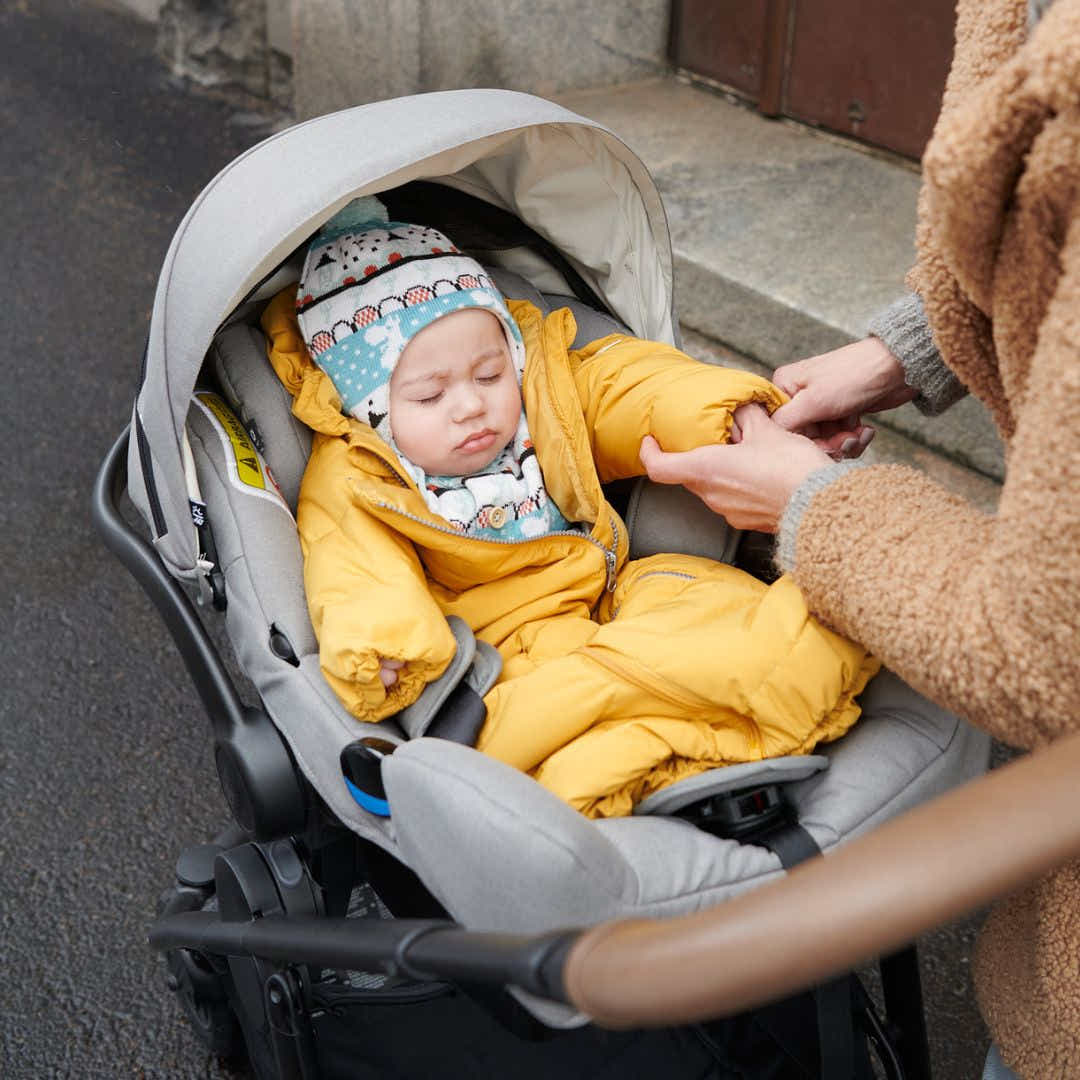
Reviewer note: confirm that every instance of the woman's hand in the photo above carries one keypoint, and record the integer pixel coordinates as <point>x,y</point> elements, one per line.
<point>388,671</point>
<point>751,479</point>
<point>829,393</point>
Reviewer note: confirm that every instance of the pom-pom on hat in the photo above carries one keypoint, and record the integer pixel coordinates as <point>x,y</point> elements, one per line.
<point>369,285</point>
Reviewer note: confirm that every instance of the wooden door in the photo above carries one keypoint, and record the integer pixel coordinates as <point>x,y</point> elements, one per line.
<point>874,70</point>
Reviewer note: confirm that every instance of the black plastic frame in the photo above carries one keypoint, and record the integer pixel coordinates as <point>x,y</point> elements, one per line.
<point>428,950</point>
<point>258,776</point>
<point>212,681</point>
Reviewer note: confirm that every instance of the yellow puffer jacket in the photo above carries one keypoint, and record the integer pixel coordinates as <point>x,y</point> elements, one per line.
<point>618,677</point>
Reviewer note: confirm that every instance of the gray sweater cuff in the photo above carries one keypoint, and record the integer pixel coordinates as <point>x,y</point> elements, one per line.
<point>904,329</point>
<point>791,519</point>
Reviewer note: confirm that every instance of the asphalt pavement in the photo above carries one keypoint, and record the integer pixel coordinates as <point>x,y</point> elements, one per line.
<point>105,767</point>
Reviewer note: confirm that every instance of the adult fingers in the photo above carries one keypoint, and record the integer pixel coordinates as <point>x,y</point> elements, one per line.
<point>752,422</point>
<point>833,433</point>
<point>801,411</point>
<point>790,378</point>
<point>665,468</point>
<point>846,442</point>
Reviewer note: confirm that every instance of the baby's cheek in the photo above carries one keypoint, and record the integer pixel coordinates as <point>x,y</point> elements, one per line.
<point>403,428</point>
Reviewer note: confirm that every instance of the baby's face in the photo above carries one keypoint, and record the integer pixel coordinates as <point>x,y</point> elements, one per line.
<point>454,396</point>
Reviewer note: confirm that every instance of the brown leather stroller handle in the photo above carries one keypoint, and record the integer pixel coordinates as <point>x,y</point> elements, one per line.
<point>827,916</point>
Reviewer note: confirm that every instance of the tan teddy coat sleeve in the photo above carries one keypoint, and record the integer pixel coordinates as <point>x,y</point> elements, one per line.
<point>982,612</point>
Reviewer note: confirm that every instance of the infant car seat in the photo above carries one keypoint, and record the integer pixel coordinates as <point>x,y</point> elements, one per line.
<point>250,925</point>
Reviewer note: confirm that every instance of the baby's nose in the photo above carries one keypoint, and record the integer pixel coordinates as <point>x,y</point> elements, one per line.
<point>468,402</point>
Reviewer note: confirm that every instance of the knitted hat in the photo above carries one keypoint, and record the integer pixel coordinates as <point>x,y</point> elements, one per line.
<point>370,285</point>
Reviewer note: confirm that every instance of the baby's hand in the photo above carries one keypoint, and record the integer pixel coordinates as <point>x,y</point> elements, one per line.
<point>388,670</point>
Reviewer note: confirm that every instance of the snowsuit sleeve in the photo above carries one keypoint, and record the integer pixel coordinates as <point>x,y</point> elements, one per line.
<point>367,594</point>
<point>631,388</point>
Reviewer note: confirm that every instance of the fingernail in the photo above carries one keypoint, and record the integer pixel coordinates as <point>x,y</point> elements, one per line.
<point>848,445</point>
<point>866,437</point>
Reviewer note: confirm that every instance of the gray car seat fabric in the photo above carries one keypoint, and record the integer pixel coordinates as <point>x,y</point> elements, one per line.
<point>266,616</point>
<point>562,870</point>
<point>282,438</point>
<point>495,848</point>
<point>591,324</point>
<point>460,814</point>
<point>782,770</point>
<point>667,517</point>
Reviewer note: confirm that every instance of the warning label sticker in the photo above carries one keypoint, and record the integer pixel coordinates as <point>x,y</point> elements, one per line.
<point>248,469</point>
<point>249,472</point>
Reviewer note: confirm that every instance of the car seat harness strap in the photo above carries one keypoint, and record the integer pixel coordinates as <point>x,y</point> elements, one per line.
<point>211,579</point>
<point>762,816</point>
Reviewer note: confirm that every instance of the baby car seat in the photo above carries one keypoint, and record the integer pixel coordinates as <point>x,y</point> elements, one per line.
<point>257,926</point>
<point>470,837</point>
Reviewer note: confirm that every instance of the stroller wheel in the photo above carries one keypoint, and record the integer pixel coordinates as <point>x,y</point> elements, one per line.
<point>202,996</point>
<point>199,986</point>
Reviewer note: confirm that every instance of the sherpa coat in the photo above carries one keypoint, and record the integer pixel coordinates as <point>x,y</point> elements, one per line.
<point>618,677</point>
<point>980,612</point>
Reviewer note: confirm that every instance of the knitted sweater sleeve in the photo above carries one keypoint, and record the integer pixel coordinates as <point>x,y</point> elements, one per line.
<point>977,611</point>
<point>904,329</point>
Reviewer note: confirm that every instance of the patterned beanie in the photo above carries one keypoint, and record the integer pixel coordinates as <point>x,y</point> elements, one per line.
<point>370,285</point>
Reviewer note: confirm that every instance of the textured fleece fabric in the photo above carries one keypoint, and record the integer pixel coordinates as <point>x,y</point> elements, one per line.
<point>980,612</point>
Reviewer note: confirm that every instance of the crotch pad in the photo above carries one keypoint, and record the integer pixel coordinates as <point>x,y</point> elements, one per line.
<point>475,662</point>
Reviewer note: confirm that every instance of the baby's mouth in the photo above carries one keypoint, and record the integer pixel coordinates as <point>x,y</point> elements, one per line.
<point>480,440</point>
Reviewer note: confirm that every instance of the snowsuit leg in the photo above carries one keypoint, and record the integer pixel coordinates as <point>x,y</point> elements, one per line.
<point>692,664</point>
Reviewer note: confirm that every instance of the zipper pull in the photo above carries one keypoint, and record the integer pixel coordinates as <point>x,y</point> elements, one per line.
<point>609,558</point>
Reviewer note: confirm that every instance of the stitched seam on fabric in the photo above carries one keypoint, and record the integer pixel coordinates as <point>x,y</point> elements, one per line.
<point>649,681</point>
<point>652,573</point>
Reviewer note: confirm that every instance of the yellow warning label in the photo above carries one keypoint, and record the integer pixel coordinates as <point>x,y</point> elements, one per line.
<point>247,459</point>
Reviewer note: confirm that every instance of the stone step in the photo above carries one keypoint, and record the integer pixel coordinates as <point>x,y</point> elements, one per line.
<point>787,240</point>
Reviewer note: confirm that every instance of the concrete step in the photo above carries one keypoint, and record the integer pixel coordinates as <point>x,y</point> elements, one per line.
<point>787,240</point>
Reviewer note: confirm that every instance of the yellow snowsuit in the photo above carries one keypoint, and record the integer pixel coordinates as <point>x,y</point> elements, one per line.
<point>618,677</point>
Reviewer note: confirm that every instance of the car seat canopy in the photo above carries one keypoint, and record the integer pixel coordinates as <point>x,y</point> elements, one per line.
<point>566,176</point>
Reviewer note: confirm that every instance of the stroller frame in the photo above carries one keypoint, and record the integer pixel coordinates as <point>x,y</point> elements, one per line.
<point>272,917</point>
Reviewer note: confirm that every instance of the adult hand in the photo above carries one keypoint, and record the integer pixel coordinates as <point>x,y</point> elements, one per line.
<point>749,480</point>
<point>830,392</point>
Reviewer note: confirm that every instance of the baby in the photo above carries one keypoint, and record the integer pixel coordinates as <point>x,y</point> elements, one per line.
<point>455,405</point>
<point>461,444</point>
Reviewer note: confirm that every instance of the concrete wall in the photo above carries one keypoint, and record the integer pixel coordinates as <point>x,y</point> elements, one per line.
<point>319,55</point>
<point>145,9</point>
<point>351,51</point>
<point>236,43</point>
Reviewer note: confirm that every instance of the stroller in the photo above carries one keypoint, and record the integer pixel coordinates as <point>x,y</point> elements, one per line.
<point>407,917</point>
